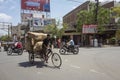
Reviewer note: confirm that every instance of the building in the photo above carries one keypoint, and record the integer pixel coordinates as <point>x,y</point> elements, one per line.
<point>16,31</point>
<point>71,20</point>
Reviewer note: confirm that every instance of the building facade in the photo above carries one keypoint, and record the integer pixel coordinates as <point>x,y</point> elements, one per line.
<point>71,20</point>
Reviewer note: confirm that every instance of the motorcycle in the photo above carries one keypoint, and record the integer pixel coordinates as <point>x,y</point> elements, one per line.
<point>13,49</point>
<point>72,49</point>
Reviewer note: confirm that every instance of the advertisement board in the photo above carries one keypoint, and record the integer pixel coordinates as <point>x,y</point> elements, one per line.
<point>38,22</point>
<point>39,5</point>
<point>38,15</point>
<point>89,29</point>
<point>49,21</point>
<point>26,16</point>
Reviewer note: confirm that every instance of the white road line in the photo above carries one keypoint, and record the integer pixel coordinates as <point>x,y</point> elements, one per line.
<point>39,73</point>
<point>74,66</point>
<point>93,70</point>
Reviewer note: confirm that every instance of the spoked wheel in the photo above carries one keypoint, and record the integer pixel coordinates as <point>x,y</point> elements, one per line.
<point>31,58</point>
<point>56,60</point>
<point>62,51</point>
<point>9,52</point>
<point>76,51</point>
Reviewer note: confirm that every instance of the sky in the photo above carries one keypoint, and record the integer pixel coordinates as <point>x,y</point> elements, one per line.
<point>10,9</point>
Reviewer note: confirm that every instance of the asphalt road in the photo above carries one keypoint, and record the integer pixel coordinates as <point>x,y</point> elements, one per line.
<point>89,64</point>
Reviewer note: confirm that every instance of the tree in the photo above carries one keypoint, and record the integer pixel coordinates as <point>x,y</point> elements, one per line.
<point>103,18</point>
<point>61,31</point>
<point>118,35</point>
<point>54,30</point>
<point>5,38</point>
<point>115,12</point>
<point>88,17</point>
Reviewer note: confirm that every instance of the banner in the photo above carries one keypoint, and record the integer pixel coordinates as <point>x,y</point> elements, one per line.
<point>37,22</point>
<point>88,29</point>
<point>38,5</point>
<point>49,21</point>
<point>26,16</point>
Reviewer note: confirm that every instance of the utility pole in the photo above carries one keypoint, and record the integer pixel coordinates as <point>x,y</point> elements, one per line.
<point>96,11</point>
<point>6,26</point>
<point>96,20</point>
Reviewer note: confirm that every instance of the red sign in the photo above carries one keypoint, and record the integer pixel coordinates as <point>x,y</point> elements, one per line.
<point>89,29</point>
<point>39,5</point>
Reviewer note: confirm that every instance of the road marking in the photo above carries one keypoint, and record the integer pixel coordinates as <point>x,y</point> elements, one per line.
<point>93,70</point>
<point>39,73</point>
<point>74,66</point>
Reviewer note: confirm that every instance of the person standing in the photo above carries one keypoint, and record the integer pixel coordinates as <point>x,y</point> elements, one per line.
<point>59,42</point>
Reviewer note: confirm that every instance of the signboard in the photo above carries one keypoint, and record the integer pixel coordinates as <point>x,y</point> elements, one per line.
<point>38,15</point>
<point>89,29</point>
<point>26,16</point>
<point>39,5</point>
<point>49,21</point>
<point>37,22</point>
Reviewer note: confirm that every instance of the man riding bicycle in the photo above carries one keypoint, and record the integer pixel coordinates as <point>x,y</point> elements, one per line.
<point>45,46</point>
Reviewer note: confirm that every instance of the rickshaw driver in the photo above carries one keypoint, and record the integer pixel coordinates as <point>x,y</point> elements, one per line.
<point>45,46</point>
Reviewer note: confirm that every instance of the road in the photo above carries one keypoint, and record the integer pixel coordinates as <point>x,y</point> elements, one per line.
<point>89,64</point>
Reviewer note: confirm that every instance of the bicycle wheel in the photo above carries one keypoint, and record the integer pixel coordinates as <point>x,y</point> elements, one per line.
<point>31,58</point>
<point>56,60</point>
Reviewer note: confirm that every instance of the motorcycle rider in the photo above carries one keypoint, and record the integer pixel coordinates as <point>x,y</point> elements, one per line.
<point>71,43</point>
<point>18,44</point>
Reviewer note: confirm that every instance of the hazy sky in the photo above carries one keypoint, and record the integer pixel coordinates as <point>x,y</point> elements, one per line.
<point>10,9</point>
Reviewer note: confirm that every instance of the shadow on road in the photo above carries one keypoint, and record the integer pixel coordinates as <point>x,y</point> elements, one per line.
<point>38,64</point>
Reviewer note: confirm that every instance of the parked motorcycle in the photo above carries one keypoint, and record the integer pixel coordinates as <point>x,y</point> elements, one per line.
<point>12,49</point>
<point>71,49</point>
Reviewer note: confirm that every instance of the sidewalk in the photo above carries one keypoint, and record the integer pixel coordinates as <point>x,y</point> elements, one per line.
<point>111,46</point>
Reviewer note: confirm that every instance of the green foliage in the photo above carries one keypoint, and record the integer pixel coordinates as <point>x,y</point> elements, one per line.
<point>116,11</point>
<point>5,38</point>
<point>55,31</point>
<point>84,17</point>
<point>117,35</point>
<point>88,17</point>
<point>112,40</point>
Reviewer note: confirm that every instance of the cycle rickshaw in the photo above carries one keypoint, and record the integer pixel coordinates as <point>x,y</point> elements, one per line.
<point>32,41</point>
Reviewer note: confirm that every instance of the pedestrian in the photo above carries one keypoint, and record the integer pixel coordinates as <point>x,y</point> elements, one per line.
<point>59,42</point>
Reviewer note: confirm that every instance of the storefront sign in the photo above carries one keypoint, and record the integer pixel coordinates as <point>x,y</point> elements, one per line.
<point>89,29</point>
